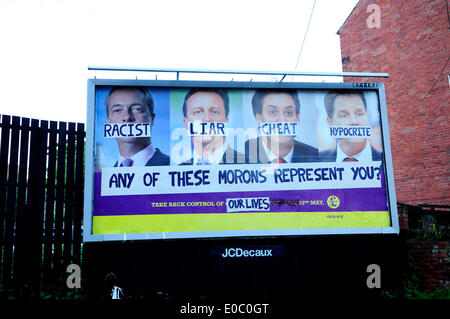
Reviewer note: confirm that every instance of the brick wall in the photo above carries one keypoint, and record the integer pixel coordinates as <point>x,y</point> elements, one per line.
<point>432,259</point>
<point>413,46</point>
<point>402,211</point>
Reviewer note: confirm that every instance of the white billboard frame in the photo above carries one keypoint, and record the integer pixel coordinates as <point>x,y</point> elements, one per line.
<point>88,236</point>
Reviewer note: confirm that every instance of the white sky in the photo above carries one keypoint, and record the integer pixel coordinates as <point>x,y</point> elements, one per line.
<point>47,45</point>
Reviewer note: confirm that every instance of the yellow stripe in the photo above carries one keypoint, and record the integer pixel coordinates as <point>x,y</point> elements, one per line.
<point>236,221</point>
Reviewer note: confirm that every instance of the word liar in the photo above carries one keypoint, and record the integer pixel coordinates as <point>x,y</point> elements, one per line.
<point>207,129</point>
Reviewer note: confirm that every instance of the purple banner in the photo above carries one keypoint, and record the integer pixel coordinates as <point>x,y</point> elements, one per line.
<point>353,199</point>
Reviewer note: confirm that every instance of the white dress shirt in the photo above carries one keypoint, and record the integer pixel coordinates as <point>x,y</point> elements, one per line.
<point>271,156</point>
<point>140,158</point>
<point>213,158</point>
<point>364,156</point>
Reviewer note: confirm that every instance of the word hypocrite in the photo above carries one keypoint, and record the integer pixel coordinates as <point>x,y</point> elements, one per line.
<point>350,131</point>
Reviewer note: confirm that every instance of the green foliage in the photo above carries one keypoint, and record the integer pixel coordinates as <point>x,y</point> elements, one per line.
<point>432,233</point>
<point>47,292</point>
<point>439,293</point>
<point>62,293</point>
<point>6,293</point>
<point>412,286</point>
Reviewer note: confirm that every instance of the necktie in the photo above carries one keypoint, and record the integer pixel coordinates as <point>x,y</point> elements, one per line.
<point>350,159</point>
<point>279,160</point>
<point>127,163</point>
<point>203,161</point>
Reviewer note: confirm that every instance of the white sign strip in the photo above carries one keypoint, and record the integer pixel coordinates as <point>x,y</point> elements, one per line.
<point>355,131</point>
<point>207,129</point>
<point>252,204</point>
<point>115,130</point>
<point>278,128</point>
<point>238,177</point>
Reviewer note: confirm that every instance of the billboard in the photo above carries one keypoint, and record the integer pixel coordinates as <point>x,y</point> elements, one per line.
<point>185,159</point>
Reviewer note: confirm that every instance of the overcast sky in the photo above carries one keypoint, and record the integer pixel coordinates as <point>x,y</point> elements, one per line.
<point>47,45</point>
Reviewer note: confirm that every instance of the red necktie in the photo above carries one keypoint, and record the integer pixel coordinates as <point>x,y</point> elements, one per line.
<point>279,160</point>
<point>350,159</point>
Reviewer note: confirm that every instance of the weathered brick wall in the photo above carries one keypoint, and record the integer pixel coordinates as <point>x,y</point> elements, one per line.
<point>432,259</point>
<point>413,46</point>
<point>402,211</point>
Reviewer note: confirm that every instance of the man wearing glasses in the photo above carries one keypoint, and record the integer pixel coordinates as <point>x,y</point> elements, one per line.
<point>134,105</point>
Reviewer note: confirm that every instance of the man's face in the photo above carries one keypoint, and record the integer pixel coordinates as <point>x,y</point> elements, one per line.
<point>205,107</point>
<point>278,107</point>
<point>349,110</point>
<point>128,106</point>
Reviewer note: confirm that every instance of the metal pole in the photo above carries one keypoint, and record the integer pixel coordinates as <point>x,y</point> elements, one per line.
<point>281,73</point>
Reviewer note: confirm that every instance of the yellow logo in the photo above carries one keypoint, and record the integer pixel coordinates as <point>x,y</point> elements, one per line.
<point>333,202</point>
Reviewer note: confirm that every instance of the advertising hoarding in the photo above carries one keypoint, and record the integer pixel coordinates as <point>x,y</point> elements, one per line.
<point>184,159</point>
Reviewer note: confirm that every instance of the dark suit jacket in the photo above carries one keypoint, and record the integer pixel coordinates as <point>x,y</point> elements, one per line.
<point>158,159</point>
<point>330,155</point>
<point>230,156</point>
<point>302,152</point>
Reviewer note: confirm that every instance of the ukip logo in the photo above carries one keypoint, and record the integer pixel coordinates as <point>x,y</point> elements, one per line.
<point>333,201</point>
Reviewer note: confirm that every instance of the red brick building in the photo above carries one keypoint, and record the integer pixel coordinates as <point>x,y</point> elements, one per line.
<point>411,42</point>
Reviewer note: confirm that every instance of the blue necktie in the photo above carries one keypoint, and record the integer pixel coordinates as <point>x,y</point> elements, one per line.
<point>127,163</point>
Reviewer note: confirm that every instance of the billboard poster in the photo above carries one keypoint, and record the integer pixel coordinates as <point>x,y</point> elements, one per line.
<point>176,159</point>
